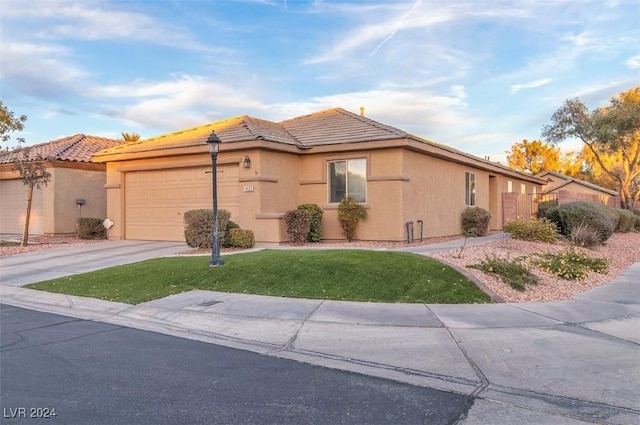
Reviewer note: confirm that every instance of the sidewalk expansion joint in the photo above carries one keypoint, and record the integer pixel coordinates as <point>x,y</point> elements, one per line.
<point>559,405</point>
<point>382,366</point>
<point>484,382</point>
<point>291,342</point>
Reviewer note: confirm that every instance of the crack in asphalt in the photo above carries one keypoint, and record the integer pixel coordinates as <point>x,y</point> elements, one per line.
<point>24,338</point>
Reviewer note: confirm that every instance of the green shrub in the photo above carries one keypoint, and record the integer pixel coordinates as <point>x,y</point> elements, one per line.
<point>596,216</point>
<point>350,212</point>
<point>230,225</point>
<point>475,221</point>
<point>571,265</point>
<point>198,227</point>
<point>91,228</point>
<point>315,223</point>
<point>626,222</point>
<point>637,225</point>
<point>298,225</point>
<point>241,238</point>
<point>544,206</point>
<point>537,230</point>
<point>514,273</point>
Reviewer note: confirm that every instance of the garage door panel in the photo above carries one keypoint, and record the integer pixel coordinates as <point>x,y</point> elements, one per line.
<point>155,201</point>
<point>13,208</point>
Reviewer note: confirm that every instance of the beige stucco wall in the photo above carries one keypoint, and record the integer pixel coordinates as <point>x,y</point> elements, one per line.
<point>67,185</point>
<point>575,187</point>
<point>402,185</point>
<point>54,210</point>
<point>269,189</point>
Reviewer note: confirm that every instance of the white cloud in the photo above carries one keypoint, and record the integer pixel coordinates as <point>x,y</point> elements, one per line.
<point>530,85</point>
<point>186,100</point>
<point>97,20</point>
<point>40,70</point>
<point>633,62</point>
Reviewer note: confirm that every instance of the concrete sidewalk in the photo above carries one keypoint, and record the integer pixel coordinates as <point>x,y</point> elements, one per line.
<point>570,362</point>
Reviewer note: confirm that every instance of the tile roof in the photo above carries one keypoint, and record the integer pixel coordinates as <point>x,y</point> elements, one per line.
<point>76,148</point>
<point>331,126</point>
<point>336,126</point>
<point>567,180</point>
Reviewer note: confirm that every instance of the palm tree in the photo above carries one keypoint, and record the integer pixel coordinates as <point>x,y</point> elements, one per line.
<point>130,137</point>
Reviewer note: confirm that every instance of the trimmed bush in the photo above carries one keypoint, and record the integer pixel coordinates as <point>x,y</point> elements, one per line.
<point>315,223</point>
<point>544,206</point>
<point>535,230</point>
<point>230,225</point>
<point>91,228</point>
<point>637,225</point>
<point>241,238</point>
<point>595,216</point>
<point>298,225</point>
<point>350,212</point>
<point>626,222</point>
<point>198,227</point>
<point>475,221</point>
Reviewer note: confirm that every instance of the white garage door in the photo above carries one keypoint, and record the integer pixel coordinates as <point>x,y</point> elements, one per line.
<point>13,208</point>
<point>155,201</point>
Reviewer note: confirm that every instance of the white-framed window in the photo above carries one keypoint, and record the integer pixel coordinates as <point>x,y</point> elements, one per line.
<point>509,186</point>
<point>469,189</point>
<point>523,188</point>
<point>533,190</point>
<point>348,177</point>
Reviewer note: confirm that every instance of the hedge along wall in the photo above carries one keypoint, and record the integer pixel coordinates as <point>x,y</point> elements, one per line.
<point>523,204</point>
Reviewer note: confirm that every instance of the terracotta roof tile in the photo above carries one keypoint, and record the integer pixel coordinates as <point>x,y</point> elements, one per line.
<point>332,126</point>
<point>329,127</point>
<point>335,126</point>
<point>76,148</point>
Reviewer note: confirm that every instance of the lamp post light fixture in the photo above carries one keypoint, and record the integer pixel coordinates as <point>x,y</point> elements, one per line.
<point>213,143</point>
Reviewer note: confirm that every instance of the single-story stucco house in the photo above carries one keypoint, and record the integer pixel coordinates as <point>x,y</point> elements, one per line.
<point>571,189</point>
<point>76,187</point>
<point>267,168</point>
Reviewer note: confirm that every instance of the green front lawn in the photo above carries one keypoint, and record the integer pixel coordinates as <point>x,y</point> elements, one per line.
<point>352,275</point>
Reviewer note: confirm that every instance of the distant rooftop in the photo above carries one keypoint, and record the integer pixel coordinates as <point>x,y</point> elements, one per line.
<point>76,148</point>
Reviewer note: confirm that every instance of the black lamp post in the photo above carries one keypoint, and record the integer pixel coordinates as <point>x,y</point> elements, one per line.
<point>213,143</point>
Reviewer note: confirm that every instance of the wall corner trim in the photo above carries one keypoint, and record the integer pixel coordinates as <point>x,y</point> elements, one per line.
<point>388,179</point>
<point>258,179</point>
<point>307,182</point>
<point>270,215</point>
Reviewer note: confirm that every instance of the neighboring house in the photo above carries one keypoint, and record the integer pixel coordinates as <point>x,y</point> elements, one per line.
<point>267,168</point>
<point>76,187</point>
<point>569,189</point>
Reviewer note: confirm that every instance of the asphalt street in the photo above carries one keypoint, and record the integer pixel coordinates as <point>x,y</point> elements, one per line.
<point>569,362</point>
<point>86,372</point>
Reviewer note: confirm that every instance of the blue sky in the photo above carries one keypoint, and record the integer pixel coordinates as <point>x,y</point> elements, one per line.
<point>475,75</point>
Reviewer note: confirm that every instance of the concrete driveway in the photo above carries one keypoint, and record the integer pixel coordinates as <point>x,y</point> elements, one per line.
<point>36,266</point>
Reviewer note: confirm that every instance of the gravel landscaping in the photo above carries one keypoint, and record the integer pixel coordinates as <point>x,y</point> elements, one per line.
<point>621,251</point>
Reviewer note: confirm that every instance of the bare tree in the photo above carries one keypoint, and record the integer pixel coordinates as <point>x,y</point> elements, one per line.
<point>34,174</point>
